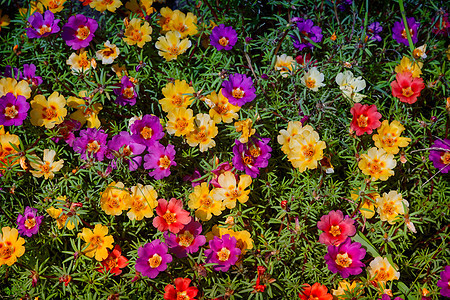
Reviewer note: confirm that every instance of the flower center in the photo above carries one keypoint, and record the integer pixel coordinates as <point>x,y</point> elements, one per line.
<point>223,254</point>
<point>248,160</point>
<point>381,275</point>
<point>310,82</point>
<point>49,113</point>
<point>54,4</point>
<point>44,29</point>
<point>83,33</point>
<point>96,241</point>
<point>111,263</point>
<point>173,50</point>
<point>6,251</point>
<point>185,239</point>
<point>205,201</point>
<point>155,261</point>
<point>255,151</point>
<point>127,151</point>
<point>45,168</point>
<point>223,41</point>
<point>146,132</point>
<point>411,33</point>
<point>220,109</point>
<point>362,121</point>
<point>170,217</point>
<point>108,52</point>
<point>389,208</point>
<point>128,92</point>
<point>308,152</point>
<point>138,204</point>
<point>30,222</point>
<point>389,140</point>
<point>335,230</point>
<point>238,93</point>
<point>11,112</point>
<point>181,124</point>
<point>164,162</point>
<point>177,100</point>
<point>136,35</point>
<point>445,158</point>
<point>93,146</point>
<point>182,296</point>
<point>343,260</point>
<point>235,193</point>
<point>407,92</point>
<point>83,63</point>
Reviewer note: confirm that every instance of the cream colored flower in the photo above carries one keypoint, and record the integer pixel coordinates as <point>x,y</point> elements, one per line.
<point>48,166</point>
<point>108,54</point>
<point>380,270</point>
<point>390,206</point>
<point>313,79</point>
<point>284,64</point>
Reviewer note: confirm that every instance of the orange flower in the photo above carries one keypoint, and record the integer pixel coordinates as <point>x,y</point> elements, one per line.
<point>317,291</point>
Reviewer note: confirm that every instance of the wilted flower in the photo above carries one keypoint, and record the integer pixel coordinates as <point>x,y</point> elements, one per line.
<point>373,31</point>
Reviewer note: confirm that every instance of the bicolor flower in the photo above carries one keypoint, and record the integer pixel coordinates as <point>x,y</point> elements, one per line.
<point>313,79</point>
<point>48,112</point>
<point>229,192</point>
<point>13,110</point>
<point>28,223</point>
<point>335,228</point>
<point>388,137</point>
<point>42,25</point>
<point>171,215</point>
<point>380,270</point>
<point>171,45</point>
<point>377,163</point>
<point>108,54</point>
<point>48,166</point>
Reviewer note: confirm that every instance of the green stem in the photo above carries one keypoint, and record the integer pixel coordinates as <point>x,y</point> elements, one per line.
<point>408,35</point>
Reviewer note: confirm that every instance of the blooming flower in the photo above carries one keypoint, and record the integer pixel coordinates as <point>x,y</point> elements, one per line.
<point>220,108</point>
<point>380,270</point>
<point>387,297</point>
<point>29,74</point>
<point>13,111</point>
<point>97,242</point>
<point>182,290</point>
<point>366,118</point>
<point>171,215</point>
<point>114,262</point>
<point>48,166</point>
<point>141,202</point>
<point>160,159</point>
<point>444,282</point>
<point>79,63</point>
<point>377,163</point>
<point>306,149</point>
<point>29,222</point>
<point>11,246</point>
<point>152,259</point>
<point>61,218</point>
<point>238,89</point>
<point>49,112</point>
<point>7,151</point>
<point>187,240</point>
<point>284,64</point>
<point>203,133</point>
<point>184,24</point>
<point>85,111</point>
<point>287,136</point>
<point>142,7</point>
<point>252,156</point>
<point>108,54</point>
<point>135,34</point>
<point>345,259</point>
<point>171,45</point>
<point>223,252</point>
<point>406,88</point>
<point>102,5</point>
<point>123,146</point>
<point>42,26</point>
<point>165,19</point>
<point>126,93</point>
<point>91,144</point>
<point>4,20</point>
<point>10,85</point>
<point>350,85</point>
<point>316,291</point>
<point>390,206</point>
<point>205,205</point>
<point>399,31</point>
<point>229,192</point>
<point>373,31</point>
<point>223,37</point>
<point>440,155</point>
<point>245,127</point>
<point>406,65</point>
<point>176,95</point>
<point>147,131</point>
<point>307,32</point>
<point>78,32</point>
<point>53,5</point>
<point>335,228</point>
<point>114,199</point>
<point>389,138</point>
<point>180,121</point>
<point>345,288</point>
<point>313,79</point>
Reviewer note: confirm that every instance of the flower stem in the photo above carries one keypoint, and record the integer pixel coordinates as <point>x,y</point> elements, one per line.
<point>408,35</point>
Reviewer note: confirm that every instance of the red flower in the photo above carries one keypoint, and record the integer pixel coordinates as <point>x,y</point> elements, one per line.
<point>114,262</point>
<point>182,290</point>
<point>406,87</point>
<point>335,228</point>
<point>317,292</point>
<point>171,215</point>
<point>366,118</point>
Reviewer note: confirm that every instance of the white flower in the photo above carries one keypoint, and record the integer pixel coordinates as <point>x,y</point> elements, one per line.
<point>313,79</point>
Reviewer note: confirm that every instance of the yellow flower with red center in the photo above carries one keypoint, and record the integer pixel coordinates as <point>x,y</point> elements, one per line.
<point>245,127</point>
<point>203,133</point>
<point>306,150</point>
<point>176,95</point>
<point>141,7</point>
<point>102,5</point>
<point>108,54</point>
<point>7,149</point>
<point>60,216</point>
<point>4,20</point>
<point>79,63</point>
<point>11,246</point>
<point>135,34</point>
<point>407,66</point>
<point>165,19</point>
<point>294,130</point>
<point>390,206</point>
<point>114,199</point>
<point>49,112</point>
<point>10,85</point>
<point>205,205</point>
<point>220,108</point>
<point>345,288</point>
<point>48,166</point>
<point>181,121</point>
<point>284,64</point>
<point>380,270</point>
<point>389,138</point>
<point>367,208</point>
<point>86,112</point>
<point>229,192</point>
<point>243,238</point>
<point>171,45</point>
<point>141,202</point>
<point>184,24</point>
<point>97,242</point>
<point>53,5</point>
<point>377,163</point>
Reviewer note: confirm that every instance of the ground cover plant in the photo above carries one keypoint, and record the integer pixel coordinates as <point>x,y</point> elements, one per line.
<point>224,149</point>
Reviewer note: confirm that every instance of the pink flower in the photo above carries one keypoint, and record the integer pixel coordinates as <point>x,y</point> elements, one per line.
<point>366,118</point>
<point>335,228</point>
<point>407,88</point>
<point>171,215</point>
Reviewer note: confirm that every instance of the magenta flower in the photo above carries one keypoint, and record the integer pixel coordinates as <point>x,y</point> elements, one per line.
<point>28,223</point>
<point>239,89</point>
<point>444,282</point>
<point>29,74</point>
<point>91,144</point>
<point>188,240</point>
<point>223,38</point>
<point>66,131</point>
<point>335,228</point>
<point>306,30</point>
<point>345,259</point>
<point>440,155</point>
<point>126,93</point>
<point>13,111</point>
<point>252,156</point>
<point>147,131</point>
<point>399,31</point>
<point>223,252</point>
<point>387,297</point>
<point>152,259</point>
<point>373,31</point>
<point>160,159</point>
<point>123,146</point>
<point>42,26</point>
<point>78,32</point>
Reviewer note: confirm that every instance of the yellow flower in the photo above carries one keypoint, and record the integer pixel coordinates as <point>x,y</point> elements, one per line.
<point>6,149</point>
<point>137,34</point>
<point>284,64</point>
<point>176,95</point>
<point>108,54</point>
<point>34,6</point>
<point>4,20</point>
<point>181,121</point>
<point>389,138</point>
<point>166,16</point>
<point>48,166</point>
<point>205,206</point>
<point>97,242</point>
<point>407,66</point>
<point>61,218</point>
<point>10,85</point>
<point>79,63</point>
<point>203,133</point>
<point>367,208</point>
<point>294,130</point>
<point>244,240</point>
<point>11,246</point>
<point>229,192</point>
<point>85,112</point>
<point>220,108</point>
<point>313,79</point>
<point>102,5</point>
<point>306,150</point>
<point>390,206</point>
<point>183,24</point>
<point>49,112</point>
<point>114,199</point>
<point>53,5</point>
<point>345,288</point>
<point>141,7</point>
<point>142,202</point>
<point>246,128</point>
<point>380,270</point>
<point>170,45</point>
<point>377,163</point>
<point>119,70</point>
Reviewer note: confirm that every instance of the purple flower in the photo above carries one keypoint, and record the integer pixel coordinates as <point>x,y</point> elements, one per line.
<point>152,259</point>
<point>29,74</point>
<point>223,38</point>
<point>239,89</point>
<point>399,31</point>
<point>42,26</point>
<point>160,159</point>
<point>307,29</point>
<point>78,32</point>
<point>12,73</point>
<point>387,297</point>
<point>66,131</point>
<point>13,110</point>
<point>28,223</point>
<point>124,146</point>
<point>223,251</point>
<point>126,93</point>
<point>188,240</point>
<point>444,282</point>
<point>147,131</point>
<point>439,156</point>
<point>252,156</point>
<point>345,259</point>
<point>373,31</point>
<point>91,144</point>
